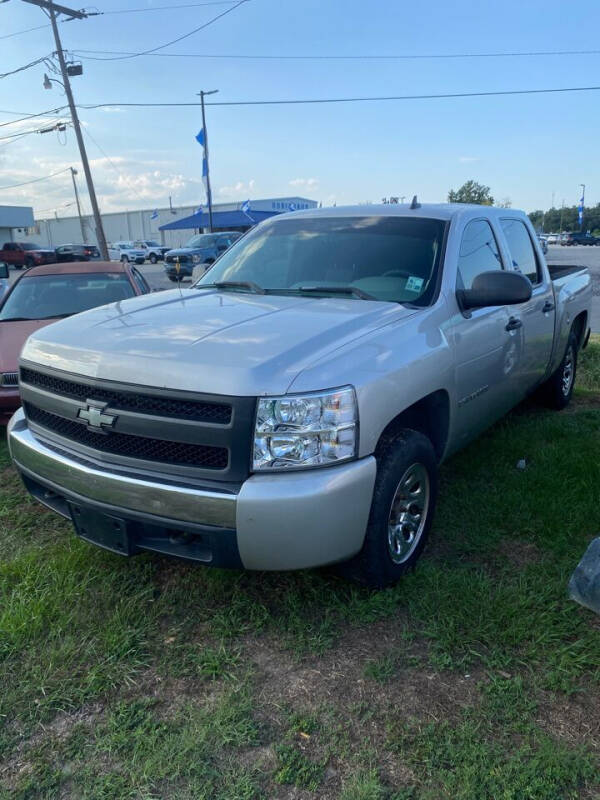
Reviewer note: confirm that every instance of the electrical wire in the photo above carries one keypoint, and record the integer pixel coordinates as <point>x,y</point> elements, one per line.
<point>179,38</point>
<point>35,180</point>
<point>26,30</point>
<point>364,57</point>
<point>112,164</point>
<point>324,100</point>
<point>169,8</point>
<point>41,60</point>
<point>50,113</point>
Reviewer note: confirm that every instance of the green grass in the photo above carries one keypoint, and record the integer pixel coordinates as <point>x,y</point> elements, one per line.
<point>149,678</point>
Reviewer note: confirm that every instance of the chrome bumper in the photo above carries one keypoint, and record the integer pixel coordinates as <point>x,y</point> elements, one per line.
<point>62,473</point>
<point>281,521</point>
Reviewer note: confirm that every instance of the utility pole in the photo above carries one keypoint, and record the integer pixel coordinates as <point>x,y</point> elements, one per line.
<point>52,9</point>
<point>562,213</point>
<point>205,168</point>
<point>73,173</point>
<point>582,207</point>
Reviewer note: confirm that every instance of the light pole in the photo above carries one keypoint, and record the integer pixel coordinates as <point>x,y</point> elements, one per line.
<point>205,167</point>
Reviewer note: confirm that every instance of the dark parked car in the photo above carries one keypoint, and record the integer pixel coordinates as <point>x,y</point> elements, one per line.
<point>204,248</point>
<point>570,239</point>
<point>77,252</point>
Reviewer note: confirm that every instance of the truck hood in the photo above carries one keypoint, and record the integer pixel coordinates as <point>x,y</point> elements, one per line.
<point>208,341</point>
<point>189,251</point>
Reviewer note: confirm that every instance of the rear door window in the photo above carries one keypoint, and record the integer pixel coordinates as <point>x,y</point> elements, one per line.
<point>520,246</point>
<point>478,253</point>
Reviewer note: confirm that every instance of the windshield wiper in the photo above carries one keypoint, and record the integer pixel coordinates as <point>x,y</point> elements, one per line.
<point>353,290</point>
<point>248,285</point>
<point>17,319</point>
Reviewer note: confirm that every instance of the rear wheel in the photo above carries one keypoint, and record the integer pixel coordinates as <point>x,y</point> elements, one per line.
<point>402,511</point>
<point>557,391</point>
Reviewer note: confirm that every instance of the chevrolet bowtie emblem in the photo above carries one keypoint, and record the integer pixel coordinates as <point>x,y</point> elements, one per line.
<point>95,417</point>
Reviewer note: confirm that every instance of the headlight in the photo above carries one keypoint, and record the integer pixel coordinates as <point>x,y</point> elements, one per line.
<point>305,430</point>
<point>196,259</point>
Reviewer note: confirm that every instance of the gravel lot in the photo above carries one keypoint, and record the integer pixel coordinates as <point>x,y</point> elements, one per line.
<point>586,256</point>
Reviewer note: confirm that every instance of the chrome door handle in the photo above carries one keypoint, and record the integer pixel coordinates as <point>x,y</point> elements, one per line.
<point>548,306</point>
<point>513,324</point>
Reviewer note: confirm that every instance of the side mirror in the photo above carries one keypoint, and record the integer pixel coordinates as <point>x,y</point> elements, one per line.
<point>3,269</point>
<point>495,288</point>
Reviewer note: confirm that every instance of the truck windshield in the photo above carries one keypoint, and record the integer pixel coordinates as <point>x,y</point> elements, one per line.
<point>50,296</point>
<point>394,259</point>
<point>202,240</point>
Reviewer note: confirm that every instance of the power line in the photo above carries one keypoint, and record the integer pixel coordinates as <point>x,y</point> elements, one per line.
<point>26,30</point>
<point>51,112</point>
<point>357,57</point>
<point>125,11</point>
<point>325,100</point>
<point>179,38</point>
<point>41,60</point>
<point>113,165</point>
<point>169,8</point>
<point>35,180</point>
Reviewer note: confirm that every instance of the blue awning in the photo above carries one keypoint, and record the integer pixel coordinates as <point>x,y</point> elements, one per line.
<point>225,220</point>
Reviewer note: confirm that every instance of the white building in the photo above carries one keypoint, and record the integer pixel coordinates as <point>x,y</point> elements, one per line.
<point>15,222</point>
<point>132,225</point>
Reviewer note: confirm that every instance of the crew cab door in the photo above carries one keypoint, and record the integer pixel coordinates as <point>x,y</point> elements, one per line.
<point>488,342</point>
<point>8,253</point>
<point>538,314</point>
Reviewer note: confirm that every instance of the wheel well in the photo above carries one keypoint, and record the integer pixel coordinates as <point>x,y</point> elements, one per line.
<point>430,416</point>
<point>579,327</point>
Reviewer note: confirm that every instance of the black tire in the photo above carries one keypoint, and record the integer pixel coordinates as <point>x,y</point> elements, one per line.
<point>152,258</point>
<point>176,278</point>
<point>381,563</point>
<point>29,263</point>
<point>557,391</point>
<point>18,266</point>
<point>124,259</point>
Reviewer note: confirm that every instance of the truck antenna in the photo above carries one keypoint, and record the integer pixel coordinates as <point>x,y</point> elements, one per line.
<point>415,203</point>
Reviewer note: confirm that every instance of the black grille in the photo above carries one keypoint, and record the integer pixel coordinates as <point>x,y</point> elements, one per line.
<point>174,259</point>
<point>194,455</point>
<point>201,411</point>
<point>9,379</point>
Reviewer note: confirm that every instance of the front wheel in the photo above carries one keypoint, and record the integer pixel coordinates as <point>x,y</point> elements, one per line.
<point>402,511</point>
<point>124,259</point>
<point>176,278</point>
<point>29,263</point>
<point>153,259</point>
<point>557,391</point>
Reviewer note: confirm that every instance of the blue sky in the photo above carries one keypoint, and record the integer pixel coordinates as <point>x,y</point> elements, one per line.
<point>524,148</point>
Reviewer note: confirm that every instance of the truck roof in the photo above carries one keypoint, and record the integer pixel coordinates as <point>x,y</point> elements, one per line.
<point>76,267</point>
<point>445,211</point>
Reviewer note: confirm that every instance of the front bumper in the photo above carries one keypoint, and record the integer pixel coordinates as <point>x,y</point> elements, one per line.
<point>272,522</point>
<point>184,269</point>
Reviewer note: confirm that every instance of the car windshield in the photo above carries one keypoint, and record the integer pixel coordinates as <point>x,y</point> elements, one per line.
<point>387,258</point>
<point>49,296</point>
<point>202,240</point>
<point>31,246</point>
<point>152,244</point>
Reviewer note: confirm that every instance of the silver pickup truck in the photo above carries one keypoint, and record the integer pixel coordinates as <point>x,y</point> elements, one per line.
<point>291,408</point>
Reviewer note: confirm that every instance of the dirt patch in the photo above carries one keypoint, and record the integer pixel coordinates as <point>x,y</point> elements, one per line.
<point>519,553</point>
<point>575,720</point>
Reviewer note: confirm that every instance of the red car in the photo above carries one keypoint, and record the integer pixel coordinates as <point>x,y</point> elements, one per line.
<point>50,292</point>
<point>26,254</point>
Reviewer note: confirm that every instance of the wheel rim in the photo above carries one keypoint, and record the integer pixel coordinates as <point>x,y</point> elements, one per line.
<point>408,513</point>
<point>568,372</point>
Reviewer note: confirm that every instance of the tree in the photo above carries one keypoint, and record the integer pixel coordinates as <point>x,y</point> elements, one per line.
<point>471,192</point>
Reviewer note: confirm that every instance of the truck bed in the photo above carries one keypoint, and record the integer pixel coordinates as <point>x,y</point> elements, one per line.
<point>562,270</point>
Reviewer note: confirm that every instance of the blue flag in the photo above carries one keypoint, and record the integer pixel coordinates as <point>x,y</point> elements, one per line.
<point>205,173</point>
<point>292,206</point>
<point>200,137</point>
<point>198,210</point>
<point>246,207</point>
<point>154,214</point>
<point>580,214</point>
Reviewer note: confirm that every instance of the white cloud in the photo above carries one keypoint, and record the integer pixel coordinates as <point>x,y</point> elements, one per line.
<point>468,159</point>
<point>237,191</point>
<point>306,183</point>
